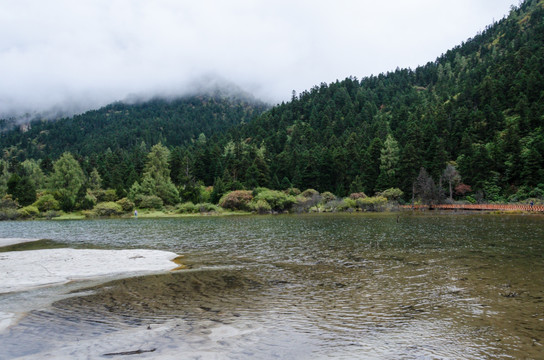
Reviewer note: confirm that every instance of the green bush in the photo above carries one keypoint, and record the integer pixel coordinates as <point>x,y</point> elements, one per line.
<point>347,203</point>
<point>537,192</point>
<point>306,200</point>
<point>236,200</point>
<point>46,203</point>
<point>471,199</point>
<point>258,190</point>
<point>125,204</point>
<point>327,197</point>
<point>88,202</point>
<point>7,202</point>
<point>28,212</point>
<point>293,191</point>
<point>309,193</point>
<point>205,194</point>
<point>392,194</point>
<point>52,214</point>
<point>168,193</point>
<point>186,208</point>
<point>108,195</point>
<point>207,207</point>
<point>8,214</point>
<point>107,209</point>
<point>374,203</point>
<point>261,206</point>
<point>149,202</point>
<point>277,200</point>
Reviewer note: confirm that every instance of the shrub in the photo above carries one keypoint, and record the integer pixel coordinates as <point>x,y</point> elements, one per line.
<point>374,203</point>
<point>105,195</point>
<point>332,205</point>
<point>107,209</point>
<point>327,197</point>
<point>7,202</point>
<point>51,214</point>
<point>28,212</point>
<point>168,193</point>
<point>471,199</point>
<point>347,204</point>
<point>88,202</point>
<point>359,195</point>
<point>392,194</point>
<point>306,200</point>
<point>537,192</point>
<point>461,189</point>
<point>186,208</point>
<point>261,206</point>
<point>8,214</point>
<point>309,193</point>
<point>236,200</point>
<point>46,203</point>
<point>205,194</point>
<point>207,207</point>
<point>125,204</point>
<point>258,190</point>
<point>277,200</point>
<point>293,191</point>
<point>149,202</point>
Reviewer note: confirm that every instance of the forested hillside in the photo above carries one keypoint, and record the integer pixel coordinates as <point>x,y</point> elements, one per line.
<point>473,119</point>
<point>479,107</point>
<point>125,126</point>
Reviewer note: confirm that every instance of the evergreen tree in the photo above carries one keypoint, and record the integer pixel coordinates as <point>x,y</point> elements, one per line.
<point>389,161</point>
<point>372,167</point>
<point>156,178</point>
<point>219,189</point>
<point>66,181</point>
<point>95,181</point>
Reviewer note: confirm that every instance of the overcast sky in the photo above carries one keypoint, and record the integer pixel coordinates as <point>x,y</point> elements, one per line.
<point>86,53</point>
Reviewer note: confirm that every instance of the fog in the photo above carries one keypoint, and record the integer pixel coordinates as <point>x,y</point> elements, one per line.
<point>70,56</point>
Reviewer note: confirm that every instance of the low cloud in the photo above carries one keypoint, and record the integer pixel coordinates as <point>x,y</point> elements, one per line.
<point>76,55</point>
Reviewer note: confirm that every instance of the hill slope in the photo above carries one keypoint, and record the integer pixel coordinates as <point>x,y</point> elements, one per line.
<point>481,105</point>
<point>125,126</point>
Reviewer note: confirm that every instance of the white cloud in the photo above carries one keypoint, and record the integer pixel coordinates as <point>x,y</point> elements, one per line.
<point>89,53</point>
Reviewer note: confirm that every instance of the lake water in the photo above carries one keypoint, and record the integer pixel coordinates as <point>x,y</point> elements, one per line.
<point>350,286</point>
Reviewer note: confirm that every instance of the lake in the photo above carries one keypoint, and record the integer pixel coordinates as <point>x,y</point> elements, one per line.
<point>344,286</point>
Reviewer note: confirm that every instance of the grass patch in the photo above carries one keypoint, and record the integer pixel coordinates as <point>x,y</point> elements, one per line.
<point>69,216</point>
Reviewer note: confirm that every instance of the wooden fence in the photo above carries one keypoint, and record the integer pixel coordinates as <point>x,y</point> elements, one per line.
<point>479,207</point>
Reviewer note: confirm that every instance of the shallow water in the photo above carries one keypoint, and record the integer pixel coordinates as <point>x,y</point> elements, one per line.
<point>300,287</point>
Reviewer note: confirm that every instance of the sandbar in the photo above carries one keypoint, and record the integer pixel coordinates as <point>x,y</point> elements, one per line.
<point>25,270</point>
<point>14,241</point>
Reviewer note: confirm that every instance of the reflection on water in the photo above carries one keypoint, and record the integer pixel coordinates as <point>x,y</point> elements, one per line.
<point>342,286</point>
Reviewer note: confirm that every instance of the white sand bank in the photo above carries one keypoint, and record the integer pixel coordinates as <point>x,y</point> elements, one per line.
<point>13,241</point>
<point>24,270</point>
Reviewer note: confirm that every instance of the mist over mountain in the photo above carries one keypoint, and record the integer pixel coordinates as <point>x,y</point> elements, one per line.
<point>210,85</point>
<point>64,58</point>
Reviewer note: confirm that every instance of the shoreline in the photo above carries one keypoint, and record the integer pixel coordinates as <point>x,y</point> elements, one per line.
<point>403,209</point>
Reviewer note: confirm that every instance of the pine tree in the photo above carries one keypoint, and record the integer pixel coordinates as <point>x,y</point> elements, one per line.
<point>389,162</point>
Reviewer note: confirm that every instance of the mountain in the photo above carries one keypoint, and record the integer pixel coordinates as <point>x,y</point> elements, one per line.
<point>479,108</point>
<point>124,126</point>
<point>479,105</point>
